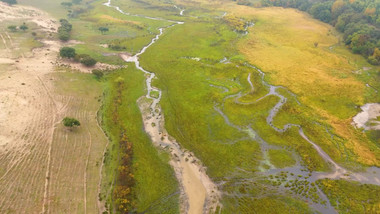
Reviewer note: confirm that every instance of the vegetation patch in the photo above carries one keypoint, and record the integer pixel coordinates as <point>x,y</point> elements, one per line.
<point>281,158</point>
<point>155,187</point>
<point>351,197</point>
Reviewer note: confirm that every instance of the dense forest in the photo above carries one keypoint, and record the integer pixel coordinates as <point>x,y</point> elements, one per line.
<point>358,20</point>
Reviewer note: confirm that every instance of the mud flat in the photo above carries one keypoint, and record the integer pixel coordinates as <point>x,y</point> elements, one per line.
<point>368,118</point>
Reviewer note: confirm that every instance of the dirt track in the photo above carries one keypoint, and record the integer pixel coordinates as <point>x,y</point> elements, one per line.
<point>28,117</point>
<point>43,168</point>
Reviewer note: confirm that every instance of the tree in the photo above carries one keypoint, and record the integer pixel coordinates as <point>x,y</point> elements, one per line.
<point>64,30</point>
<point>23,27</point>
<point>85,59</point>
<point>9,1</point>
<point>98,73</point>
<point>63,35</point>
<point>88,61</point>
<point>103,29</point>
<point>375,58</point>
<point>12,28</point>
<point>70,122</point>
<point>67,52</point>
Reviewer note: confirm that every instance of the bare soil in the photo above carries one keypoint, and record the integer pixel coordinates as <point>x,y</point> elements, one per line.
<point>44,168</point>
<point>367,119</point>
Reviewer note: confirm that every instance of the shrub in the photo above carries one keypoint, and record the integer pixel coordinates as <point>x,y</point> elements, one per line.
<point>98,73</point>
<point>12,28</point>
<point>88,61</point>
<point>67,52</point>
<point>64,30</point>
<point>23,27</point>
<point>70,122</point>
<point>103,29</point>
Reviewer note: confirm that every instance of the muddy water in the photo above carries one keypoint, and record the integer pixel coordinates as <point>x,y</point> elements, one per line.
<point>198,193</point>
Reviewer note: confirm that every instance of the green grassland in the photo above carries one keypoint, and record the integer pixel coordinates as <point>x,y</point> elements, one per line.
<point>129,32</point>
<point>283,48</point>
<point>81,94</point>
<point>156,186</point>
<point>187,59</point>
<point>189,100</point>
<point>53,7</point>
<point>350,197</point>
<point>23,40</point>
<point>281,158</point>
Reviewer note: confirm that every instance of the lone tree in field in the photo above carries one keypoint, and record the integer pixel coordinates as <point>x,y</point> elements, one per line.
<point>23,27</point>
<point>12,28</point>
<point>103,29</point>
<point>67,52</point>
<point>70,122</point>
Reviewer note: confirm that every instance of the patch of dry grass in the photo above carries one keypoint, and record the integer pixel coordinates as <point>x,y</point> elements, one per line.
<point>112,19</point>
<point>283,44</point>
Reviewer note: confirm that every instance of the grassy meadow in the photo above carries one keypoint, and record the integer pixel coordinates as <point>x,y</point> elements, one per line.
<point>328,94</point>
<point>295,51</point>
<point>20,43</point>
<point>78,151</point>
<point>189,97</point>
<point>156,187</point>
<point>323,76</point>
<point>127,33</point>
<point>351,197</point>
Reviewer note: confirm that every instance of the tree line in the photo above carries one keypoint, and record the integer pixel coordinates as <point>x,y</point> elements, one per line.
<point>70,53</point>
<point>64,30</point>
<point>358,20</point>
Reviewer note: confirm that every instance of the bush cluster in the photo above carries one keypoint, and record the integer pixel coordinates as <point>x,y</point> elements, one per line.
<point>85,59</point>
<point>64,30</point>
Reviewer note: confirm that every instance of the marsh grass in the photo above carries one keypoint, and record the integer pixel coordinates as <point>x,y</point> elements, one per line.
<point>156,186</point>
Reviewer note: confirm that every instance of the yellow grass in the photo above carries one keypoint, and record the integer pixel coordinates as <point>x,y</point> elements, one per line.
<point>282,44</point>
<point>112,19</point>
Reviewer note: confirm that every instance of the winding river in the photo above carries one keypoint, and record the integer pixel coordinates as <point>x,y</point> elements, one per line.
<point>198,192</point>
<point>371,176</point>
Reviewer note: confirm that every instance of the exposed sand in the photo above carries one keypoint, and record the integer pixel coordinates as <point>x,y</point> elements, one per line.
<point>197,189</point>
<point>84,69</point>
<point>18,12</point>
<point>6,61</point>
<point>28,115</point>
<point>367,118</point>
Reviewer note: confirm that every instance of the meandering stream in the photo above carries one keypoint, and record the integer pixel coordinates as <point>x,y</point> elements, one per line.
<point>371,176</point>
<point>198,192</point>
